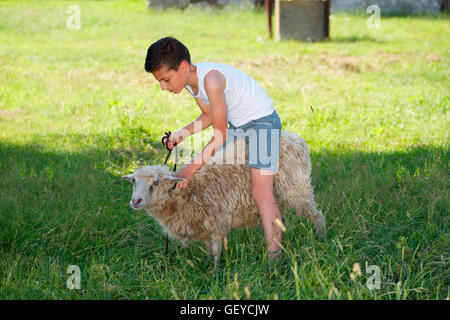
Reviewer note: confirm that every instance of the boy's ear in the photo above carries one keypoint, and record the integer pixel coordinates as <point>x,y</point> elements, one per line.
<point>128,177</point>
<point>184,65</point>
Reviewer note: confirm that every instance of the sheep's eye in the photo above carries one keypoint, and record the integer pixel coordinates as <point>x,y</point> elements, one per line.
<point>133,180</point>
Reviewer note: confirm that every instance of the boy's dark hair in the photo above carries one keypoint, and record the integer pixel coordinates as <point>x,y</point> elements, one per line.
<point>168,52</point>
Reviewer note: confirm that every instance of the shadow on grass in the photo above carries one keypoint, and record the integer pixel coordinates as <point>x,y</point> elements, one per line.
<point>387,190</point>
<point>444,15</point>
<point>352,39</point>
<point>74,206</point>
<point>67,203</point>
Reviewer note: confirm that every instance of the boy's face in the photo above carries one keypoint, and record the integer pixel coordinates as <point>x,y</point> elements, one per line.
<point>171,80</point>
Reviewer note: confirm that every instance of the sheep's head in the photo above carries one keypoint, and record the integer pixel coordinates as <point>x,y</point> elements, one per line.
<point>151,185</point>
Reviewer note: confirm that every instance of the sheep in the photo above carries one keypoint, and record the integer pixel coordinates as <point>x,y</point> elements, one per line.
<point>218,198</point>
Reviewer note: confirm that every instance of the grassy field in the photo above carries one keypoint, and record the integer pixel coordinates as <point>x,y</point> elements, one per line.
<point>77,111</point>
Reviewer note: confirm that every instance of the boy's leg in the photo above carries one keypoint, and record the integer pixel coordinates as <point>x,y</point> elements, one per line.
<point>262,192</point>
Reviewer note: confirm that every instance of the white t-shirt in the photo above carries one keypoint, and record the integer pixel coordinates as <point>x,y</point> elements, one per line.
<point>245,98</point>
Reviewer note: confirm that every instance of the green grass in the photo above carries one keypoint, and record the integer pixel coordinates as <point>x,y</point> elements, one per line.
<point>77,110</point>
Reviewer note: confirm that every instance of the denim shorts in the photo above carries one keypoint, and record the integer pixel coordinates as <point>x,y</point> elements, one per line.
<point>263,141</point>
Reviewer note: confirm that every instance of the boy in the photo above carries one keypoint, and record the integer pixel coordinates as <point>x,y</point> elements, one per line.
<point>224,94</point>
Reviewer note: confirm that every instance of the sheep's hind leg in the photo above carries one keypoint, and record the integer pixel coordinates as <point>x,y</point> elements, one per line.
<point>310,211</point>
<point>320,223</point>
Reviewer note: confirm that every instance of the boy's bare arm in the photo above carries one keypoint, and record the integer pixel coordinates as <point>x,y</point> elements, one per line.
<point>215,84</point>
<point>215,87</point>
<point>203,121</point>
<point>199,124</point>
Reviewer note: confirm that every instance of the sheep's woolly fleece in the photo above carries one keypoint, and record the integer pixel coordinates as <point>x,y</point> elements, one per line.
<point>219,198</point>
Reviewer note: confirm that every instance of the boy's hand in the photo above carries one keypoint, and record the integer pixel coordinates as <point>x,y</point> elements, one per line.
<point>174,137</point>
<point>183,184</point>
<point>187,174</point>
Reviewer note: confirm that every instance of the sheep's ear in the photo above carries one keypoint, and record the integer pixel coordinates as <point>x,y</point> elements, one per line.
<point>172,179</point>
<point>128,177</point>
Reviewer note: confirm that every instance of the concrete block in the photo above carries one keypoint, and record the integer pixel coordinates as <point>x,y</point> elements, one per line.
<point>303,20</point>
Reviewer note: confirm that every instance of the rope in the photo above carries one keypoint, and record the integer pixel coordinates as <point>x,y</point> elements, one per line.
<point>166,145</point>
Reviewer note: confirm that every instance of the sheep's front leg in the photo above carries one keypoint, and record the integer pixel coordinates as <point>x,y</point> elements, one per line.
<point>208,245</point>
<point>216,248</point>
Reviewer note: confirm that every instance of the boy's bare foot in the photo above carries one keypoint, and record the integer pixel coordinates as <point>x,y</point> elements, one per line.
<point>274,255</point>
